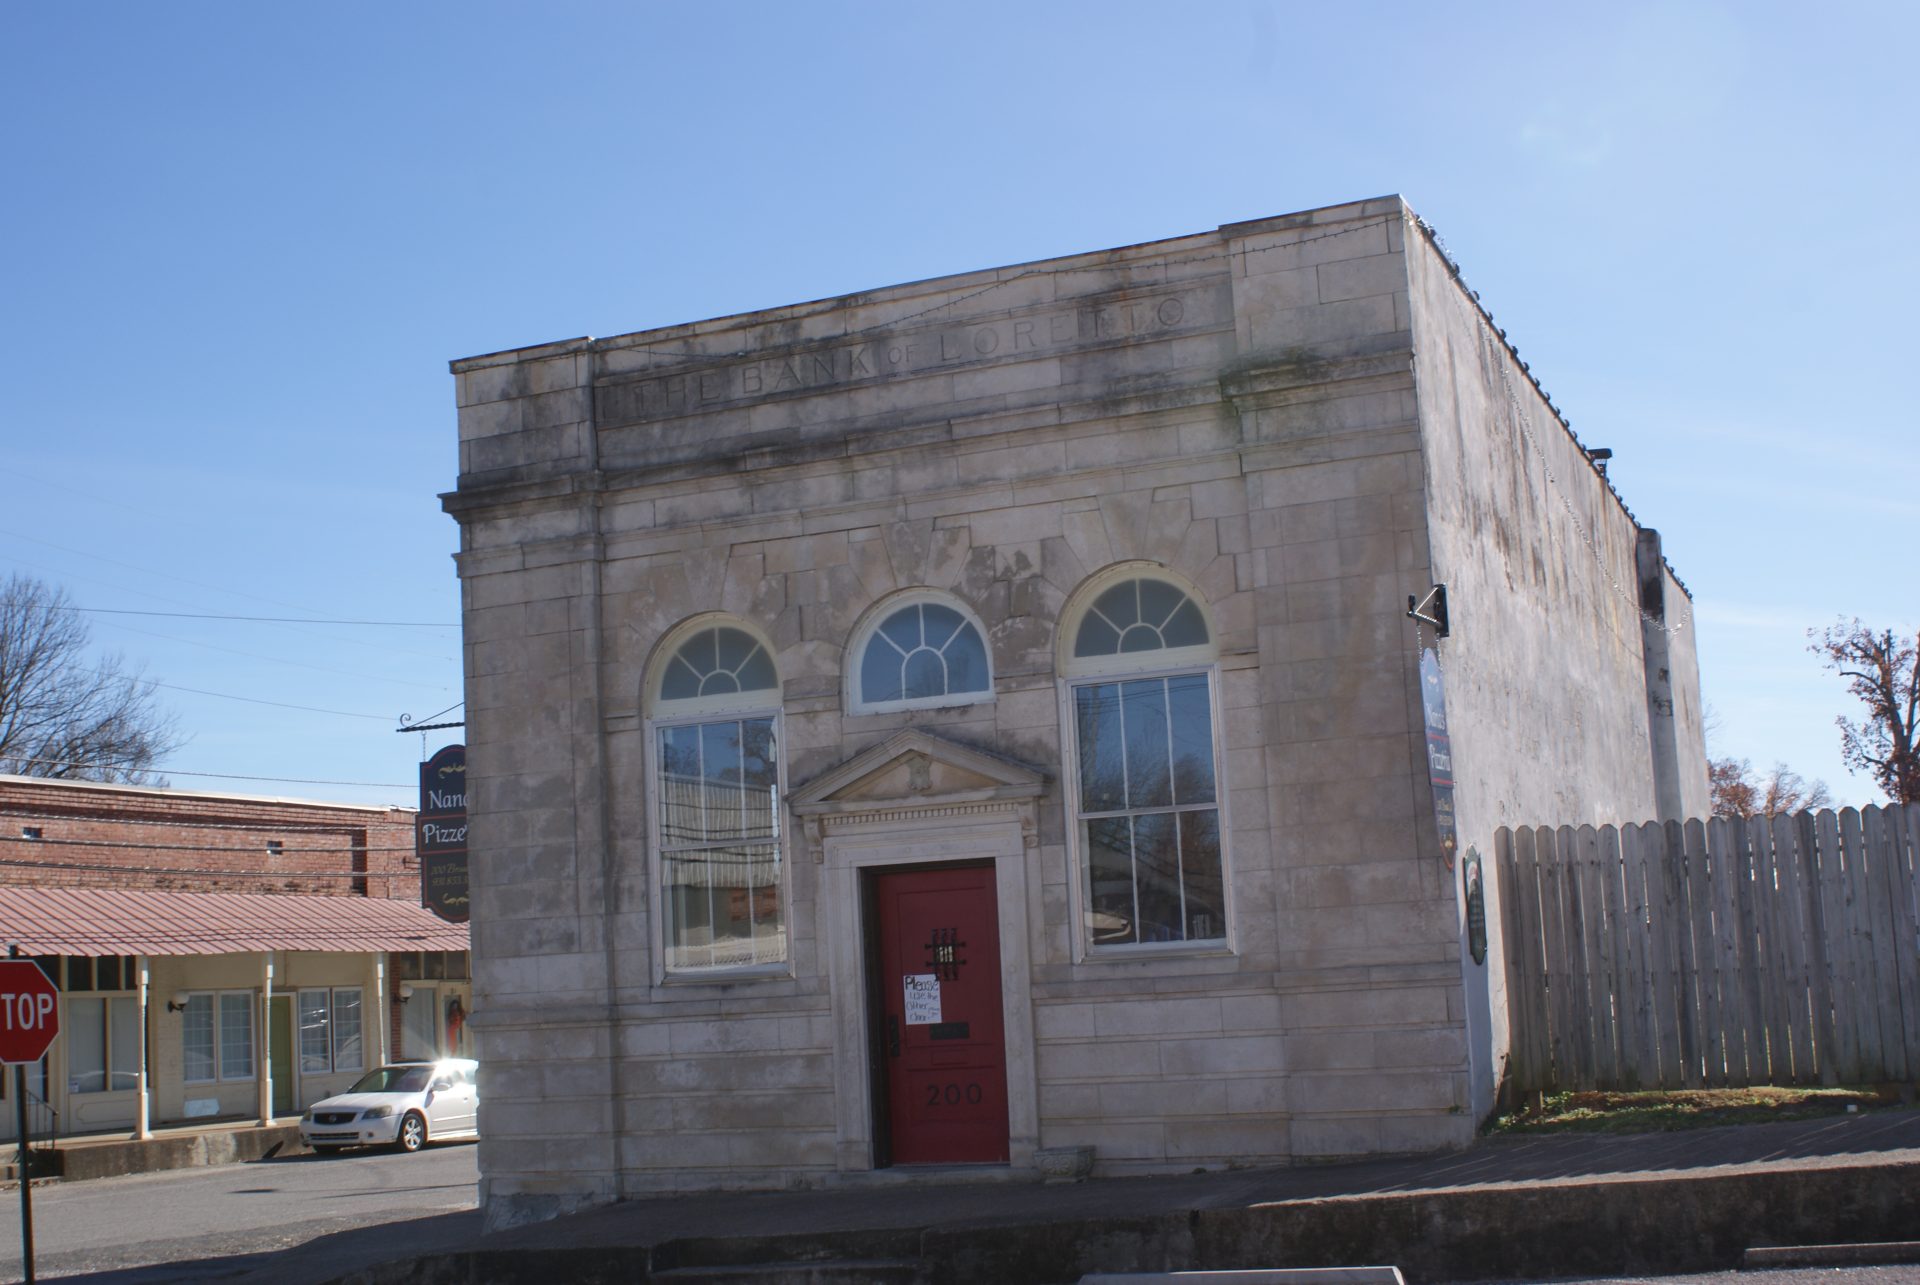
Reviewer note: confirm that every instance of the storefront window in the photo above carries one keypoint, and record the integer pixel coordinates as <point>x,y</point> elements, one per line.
<point>216,1035</point>
<point>330,1030</point>
<point>103,1044</point>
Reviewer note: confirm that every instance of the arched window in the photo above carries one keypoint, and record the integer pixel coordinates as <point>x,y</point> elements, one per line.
<point>1139,615</point>
<point>716,708</point>
<point>918,653</point>
<point>1146,797</point>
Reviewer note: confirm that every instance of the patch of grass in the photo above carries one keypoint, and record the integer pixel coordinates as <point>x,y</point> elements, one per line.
<point>1657,1111</point>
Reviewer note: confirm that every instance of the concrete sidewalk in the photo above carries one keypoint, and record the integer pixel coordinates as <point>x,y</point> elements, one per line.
<point>1560,1205</point>
<point>78,1157</point>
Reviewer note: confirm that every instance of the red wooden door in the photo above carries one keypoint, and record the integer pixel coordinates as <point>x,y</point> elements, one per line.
<point>943,1036</point>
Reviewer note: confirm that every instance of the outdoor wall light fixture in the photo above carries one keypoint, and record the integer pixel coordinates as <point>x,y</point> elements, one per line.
<point>405,992</point>
<point>178,1002</point>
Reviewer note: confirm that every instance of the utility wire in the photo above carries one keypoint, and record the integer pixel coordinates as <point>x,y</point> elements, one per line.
<point>405,871</point>
<point>187,847</point>
<point>251,700</point>
<point>222,776</point>
<point>174,821</point>
<point>255,700</point>
<point>62,574</point>
<point>279,660</point>
<point>276,620</point>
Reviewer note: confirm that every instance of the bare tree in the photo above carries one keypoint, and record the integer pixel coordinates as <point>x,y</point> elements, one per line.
<point>62,712</point>
<point>1883,670</point>
<point>1737,791</point>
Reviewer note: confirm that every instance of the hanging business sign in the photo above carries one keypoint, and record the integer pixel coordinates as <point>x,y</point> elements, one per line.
<point>1433,703</point>
<point>440,834</point>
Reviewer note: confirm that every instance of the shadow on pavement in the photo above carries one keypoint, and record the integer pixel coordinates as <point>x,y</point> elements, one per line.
<point>324,1258</point>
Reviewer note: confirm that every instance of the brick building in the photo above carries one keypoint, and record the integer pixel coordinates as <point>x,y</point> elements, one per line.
<point>979,720</point>
<point>220,955</point>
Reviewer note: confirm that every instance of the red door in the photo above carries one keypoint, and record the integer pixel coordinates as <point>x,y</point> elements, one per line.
<point>943,1035</point>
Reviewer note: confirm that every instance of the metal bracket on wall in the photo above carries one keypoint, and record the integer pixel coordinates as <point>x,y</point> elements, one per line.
<point>1430,610</point>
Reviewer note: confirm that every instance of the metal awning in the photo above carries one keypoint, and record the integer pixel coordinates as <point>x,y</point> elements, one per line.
<point>104,921</point>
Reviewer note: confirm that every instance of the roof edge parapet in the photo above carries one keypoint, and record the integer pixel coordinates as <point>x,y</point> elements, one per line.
<point>981,278</point>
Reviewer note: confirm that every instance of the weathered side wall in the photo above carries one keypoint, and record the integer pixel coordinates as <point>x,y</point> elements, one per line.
<point>1548,643</point>
<point>1238,408</point>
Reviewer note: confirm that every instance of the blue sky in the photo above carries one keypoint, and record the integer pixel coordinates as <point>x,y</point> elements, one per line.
<point>242,242</point>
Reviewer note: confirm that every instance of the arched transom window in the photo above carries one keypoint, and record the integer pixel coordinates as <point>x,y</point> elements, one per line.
<point>921,654</point>
<point>1147,797</point>
<point>717,802</point>
<point>717,662</point>
<point>1140,615</point>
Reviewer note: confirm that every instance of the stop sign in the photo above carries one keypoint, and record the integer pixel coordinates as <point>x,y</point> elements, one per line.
<point>29,1011</point>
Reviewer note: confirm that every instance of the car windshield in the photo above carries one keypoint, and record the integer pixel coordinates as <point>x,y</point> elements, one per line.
<point>393,1079</point>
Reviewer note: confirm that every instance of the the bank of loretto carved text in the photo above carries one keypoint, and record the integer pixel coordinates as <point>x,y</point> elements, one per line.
<point>680,389</point>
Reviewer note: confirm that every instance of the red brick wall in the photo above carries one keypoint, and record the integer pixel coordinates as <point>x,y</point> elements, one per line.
<point>121,837</point>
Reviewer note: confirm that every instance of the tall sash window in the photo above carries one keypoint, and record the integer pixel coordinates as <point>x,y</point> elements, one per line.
<point>1146,796</point>
<point>717,800</point>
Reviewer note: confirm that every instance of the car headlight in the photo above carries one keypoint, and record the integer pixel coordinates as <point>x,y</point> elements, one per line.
<point>306,1116</point>
<point>377,1113</point>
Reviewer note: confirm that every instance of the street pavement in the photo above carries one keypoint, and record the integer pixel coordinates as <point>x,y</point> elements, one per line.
<point>217,1223</point>
<point>335,1228</point>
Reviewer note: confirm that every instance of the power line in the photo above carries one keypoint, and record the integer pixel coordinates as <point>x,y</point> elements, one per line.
<point>186,847</point>
<point>251,700</point>
<point>64,574</point>
<point>171,819</point>
<point>273,620</point>
<point>405,872</point>
<point>222,776</point>
<point>254,700</point>
<point>280,660</point>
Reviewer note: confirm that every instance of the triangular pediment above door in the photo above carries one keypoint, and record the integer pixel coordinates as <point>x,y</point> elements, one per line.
<point>914,767</point>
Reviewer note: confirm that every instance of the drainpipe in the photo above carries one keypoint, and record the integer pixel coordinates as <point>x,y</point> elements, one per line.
<point>142,1123</point>
<point>265,1078</point>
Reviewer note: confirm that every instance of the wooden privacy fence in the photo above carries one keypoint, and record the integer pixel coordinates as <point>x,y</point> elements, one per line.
<point>1770,950</point>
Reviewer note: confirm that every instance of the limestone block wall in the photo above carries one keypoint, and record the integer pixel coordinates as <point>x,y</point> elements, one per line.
<point>1247,409</point>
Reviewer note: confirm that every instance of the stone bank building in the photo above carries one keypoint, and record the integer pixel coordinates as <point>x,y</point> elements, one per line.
<point>979,722</point>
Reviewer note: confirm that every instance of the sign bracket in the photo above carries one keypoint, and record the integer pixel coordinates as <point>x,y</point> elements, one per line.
<point>1430,609</point>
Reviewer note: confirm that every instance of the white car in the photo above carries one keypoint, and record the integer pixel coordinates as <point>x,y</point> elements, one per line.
<point>402,1104</point>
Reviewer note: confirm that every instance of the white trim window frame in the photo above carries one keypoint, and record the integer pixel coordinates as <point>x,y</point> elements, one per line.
<point>742,880</point>
<point>102,1045</point>
<point>927,643</point>
<point>1158,881</point>
<point>223,1009</point>
<point>324,1036</point>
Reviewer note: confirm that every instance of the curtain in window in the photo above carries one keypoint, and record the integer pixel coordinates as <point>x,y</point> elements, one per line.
<point>236,1036</point>
<point>196,1037</point>
<point>316,1056</point>
<point>123,1043</point>
<point>346,1029</point>
<point>86,1046</point>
